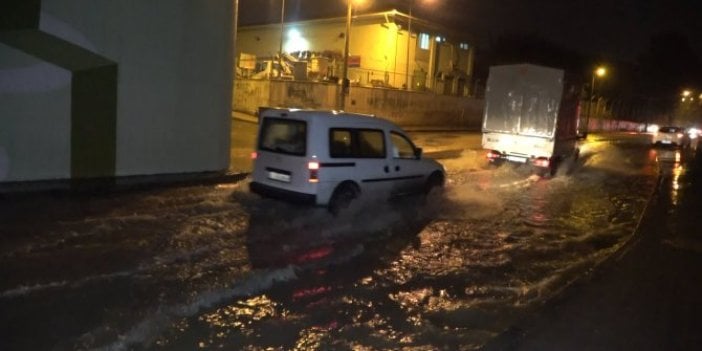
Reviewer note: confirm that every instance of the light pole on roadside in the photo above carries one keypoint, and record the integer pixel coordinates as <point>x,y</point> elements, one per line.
<point>282,38</point>
<point>345,66</point>
<point>409,38</point>
<point>600,71</point>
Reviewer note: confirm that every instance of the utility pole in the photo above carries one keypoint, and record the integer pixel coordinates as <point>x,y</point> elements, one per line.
<point>409,38</point>
<point>282,34</point>
<point>345,66</point>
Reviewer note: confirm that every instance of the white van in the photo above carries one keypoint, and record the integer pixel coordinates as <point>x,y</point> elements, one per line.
<point>329,158</point>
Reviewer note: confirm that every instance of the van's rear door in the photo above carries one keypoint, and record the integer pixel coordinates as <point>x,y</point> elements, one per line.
<point>281,159</point>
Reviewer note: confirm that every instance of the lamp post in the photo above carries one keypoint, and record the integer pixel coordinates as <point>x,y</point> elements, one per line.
<point>345,66</point>
<point>282,37</point>
<point>409,38</point>
<point>235,25</point>
<point>599,72</point>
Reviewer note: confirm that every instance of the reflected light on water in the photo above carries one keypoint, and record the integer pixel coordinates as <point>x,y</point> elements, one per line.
<point>675,191</point>
<point>670,162</point>
<point>240,314</point>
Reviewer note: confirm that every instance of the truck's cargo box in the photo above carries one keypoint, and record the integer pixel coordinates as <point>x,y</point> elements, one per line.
<point>531,112</point>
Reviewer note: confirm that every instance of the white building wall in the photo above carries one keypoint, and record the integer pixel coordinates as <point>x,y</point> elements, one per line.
<point>174,81</point>
<point>35,120</point>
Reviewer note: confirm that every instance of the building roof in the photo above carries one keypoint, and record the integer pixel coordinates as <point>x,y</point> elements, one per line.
<point>391,16</point>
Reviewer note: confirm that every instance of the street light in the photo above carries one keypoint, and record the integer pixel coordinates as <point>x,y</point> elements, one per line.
<point>345,66</point>
<point>600,71</point>
<point>687,95</point>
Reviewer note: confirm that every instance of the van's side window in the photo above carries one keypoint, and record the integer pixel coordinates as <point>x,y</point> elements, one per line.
<point>401,146</point>
<point>340,143</point>
<point>371,144</point>
<point>356,143</point>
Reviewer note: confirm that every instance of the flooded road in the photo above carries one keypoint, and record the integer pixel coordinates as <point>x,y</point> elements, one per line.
<point>215,267</point>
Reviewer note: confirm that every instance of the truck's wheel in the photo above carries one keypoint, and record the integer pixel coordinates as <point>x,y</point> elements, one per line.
<point>342,198</point>
<point>553,167</point>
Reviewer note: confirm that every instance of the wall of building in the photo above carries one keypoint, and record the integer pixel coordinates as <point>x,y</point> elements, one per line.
<point>35,128</point>
<point>408,109</point>
<point>382,46</point>
<point>172,93</point>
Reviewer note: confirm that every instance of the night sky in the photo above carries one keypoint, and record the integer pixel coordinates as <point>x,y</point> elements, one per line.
<point>611,28</point>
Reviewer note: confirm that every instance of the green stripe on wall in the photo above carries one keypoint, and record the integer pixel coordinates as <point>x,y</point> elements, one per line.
<point>94,122</point>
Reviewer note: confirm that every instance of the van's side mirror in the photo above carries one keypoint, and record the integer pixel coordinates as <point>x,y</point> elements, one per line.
<point>418,153</point>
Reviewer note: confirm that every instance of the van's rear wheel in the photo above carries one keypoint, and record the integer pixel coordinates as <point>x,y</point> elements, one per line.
<point>434,184</point>
<point>433,189</point>
<point>342,198</point>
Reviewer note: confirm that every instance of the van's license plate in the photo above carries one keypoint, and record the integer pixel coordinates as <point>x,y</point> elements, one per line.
<point>516,159</point>
<point>279,176</point>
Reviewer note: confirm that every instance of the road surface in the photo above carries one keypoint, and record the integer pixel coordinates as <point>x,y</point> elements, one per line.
<point>212,267</point>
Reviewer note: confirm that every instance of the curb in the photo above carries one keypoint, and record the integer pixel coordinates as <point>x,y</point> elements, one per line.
<point>100,186</point>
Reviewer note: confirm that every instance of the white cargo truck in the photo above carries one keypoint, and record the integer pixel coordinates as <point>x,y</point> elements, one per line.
<point>531,116</point>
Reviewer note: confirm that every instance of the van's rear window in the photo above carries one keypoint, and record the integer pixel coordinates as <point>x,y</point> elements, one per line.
<point>285,136</point>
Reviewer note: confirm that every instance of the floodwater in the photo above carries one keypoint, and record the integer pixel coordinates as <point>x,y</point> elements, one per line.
<point>215,267</point>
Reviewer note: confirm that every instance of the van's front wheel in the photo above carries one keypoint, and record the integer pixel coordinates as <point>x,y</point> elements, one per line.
<point>342,198</point>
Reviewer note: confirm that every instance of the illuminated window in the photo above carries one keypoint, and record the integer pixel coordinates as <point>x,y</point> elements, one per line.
<point>464,46</point>
<point>424,41</point>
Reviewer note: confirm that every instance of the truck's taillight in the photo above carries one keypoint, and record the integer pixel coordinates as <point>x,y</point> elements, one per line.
<point>314,171</point>
<point>491,155</point>
<point>542,162</point>
<point>254,155</point>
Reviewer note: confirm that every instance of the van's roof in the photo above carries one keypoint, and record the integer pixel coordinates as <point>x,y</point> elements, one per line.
<point>312,114</point>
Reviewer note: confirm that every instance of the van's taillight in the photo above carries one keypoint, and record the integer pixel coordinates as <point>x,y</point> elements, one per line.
<point>314,171</point>
<point>542,162</point>
<point>254,155</point>
<point>492,155</point>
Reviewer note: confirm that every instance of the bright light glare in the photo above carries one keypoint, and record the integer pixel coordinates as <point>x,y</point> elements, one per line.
<point>359,4</point>
<point>601,71</point>
<point>686,93</point>
<point>652,128</point>
<point>296,42</point>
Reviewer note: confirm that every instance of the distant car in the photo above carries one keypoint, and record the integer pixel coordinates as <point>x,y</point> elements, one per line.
<point>673,136</point>
<point>330,158</point>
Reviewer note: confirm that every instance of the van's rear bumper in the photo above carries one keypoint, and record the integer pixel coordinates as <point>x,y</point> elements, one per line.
<point>278,193</point>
